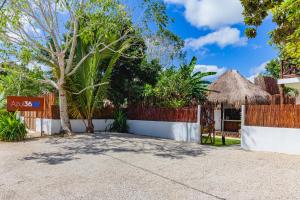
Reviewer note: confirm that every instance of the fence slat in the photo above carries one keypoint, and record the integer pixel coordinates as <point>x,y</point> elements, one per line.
<point>285,116</point>
<point>162,114</point>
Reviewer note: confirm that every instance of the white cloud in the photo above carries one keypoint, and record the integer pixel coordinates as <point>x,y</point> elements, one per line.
<point>223,37</point>
<point>210,68</point>
<point>213,14</point>
<point>256,71</point>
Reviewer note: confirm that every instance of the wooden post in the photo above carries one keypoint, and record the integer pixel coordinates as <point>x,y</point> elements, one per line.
<point>222,118</point>
<point>222,124</point>
<point>281,69</point>
<point>281,88</point>
<point>243,115</point>
<point>282,94</point>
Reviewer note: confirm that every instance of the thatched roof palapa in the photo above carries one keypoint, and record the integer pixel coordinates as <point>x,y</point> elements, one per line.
<point>232,88</point>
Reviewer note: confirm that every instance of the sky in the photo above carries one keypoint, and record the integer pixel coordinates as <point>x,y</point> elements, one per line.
<point>213,31</point>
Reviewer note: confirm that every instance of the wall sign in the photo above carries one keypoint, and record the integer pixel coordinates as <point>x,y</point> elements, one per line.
<point>16,103</point>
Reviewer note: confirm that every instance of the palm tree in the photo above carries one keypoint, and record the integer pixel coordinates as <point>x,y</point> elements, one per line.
<point>89,85</point>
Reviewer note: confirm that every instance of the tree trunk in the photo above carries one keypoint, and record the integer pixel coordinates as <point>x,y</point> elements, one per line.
<point>64,115</point>
<point>90,126</point>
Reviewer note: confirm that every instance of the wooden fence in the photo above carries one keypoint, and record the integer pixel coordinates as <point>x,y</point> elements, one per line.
<point>104,113</point>
<point>284,116</point>
<point>51,111</point>
<point>29,119</point>
<point>162,114</point>
<point>275,99</point>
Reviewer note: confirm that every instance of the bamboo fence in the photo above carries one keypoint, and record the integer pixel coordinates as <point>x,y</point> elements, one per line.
<point>284,116</point>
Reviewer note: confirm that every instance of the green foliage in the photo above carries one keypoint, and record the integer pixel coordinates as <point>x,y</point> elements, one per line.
<point>11,128</point>
<point>178,88</point>
<point>273,68</point>
<point>129,78</point>
<point>21,81</point>
<point>228,141</point>
<point>286,14</point>
<point>120,122</point>
<point>88,87</point>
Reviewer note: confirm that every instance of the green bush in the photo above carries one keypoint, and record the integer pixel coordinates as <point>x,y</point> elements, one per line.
<point>120,122</point>
<point>11,128</point>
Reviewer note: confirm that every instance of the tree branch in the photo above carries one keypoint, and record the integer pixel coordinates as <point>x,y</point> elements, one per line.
<point>2,5</point>
<point>93,51</point>
<point>92,86</point>
<point>73,48</point>
<point>49,82</point>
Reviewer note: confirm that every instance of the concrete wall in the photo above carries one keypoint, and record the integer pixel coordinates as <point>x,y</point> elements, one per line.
<point>272,139</point>
<point>180,131</point>
<point>52,126</point>
<point>281,140</point>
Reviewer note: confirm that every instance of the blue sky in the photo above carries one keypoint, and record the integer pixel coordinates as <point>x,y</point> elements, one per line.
<point>214,33</point>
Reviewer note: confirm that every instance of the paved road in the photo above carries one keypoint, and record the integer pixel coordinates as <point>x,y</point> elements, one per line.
<point>121,166</point>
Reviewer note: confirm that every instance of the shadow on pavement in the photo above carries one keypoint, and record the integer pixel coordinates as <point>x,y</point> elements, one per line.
<point>101,143</point>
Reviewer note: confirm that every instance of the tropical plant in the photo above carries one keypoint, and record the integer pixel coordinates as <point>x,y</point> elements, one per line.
<point>11,128</point>
<point>129,78</point>
<point>87,88</point>
<point>27,26</point>
<point>20,81</point>
<point>120,122</point>
<point>273,70</point>
<point>178,88</point>
<point>286,14</point>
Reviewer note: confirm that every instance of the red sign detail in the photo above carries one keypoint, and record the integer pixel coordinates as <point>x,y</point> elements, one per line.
<point>16,103</point>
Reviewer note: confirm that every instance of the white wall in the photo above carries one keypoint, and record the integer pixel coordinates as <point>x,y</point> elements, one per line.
<point>180,131</point>
<point>52,126</point>
<point>281,140</point>
<point>218,119</point>
<point>272,139</point>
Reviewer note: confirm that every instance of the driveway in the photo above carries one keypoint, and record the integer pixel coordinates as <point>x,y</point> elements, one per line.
<point>122,166</point>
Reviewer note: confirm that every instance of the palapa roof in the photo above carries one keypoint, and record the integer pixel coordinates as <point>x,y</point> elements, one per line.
<point>232,88</point>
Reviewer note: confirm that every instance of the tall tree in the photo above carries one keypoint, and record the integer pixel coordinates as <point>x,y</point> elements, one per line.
<point>87,88</point>
<point>286,14</point>
<point>27,27</point>
<point>129,78</point>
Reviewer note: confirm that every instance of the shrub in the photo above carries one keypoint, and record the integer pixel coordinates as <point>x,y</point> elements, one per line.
<point>120,122</point>
<point>11,128</point>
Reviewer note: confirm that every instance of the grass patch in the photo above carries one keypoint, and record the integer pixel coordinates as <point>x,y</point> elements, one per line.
<point>229,141</point>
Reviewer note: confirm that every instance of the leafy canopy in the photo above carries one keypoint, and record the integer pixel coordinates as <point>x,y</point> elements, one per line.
<point>178,88</point>
<point>273,70</point>
<point>286,14</point>
<point>18,80</point>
